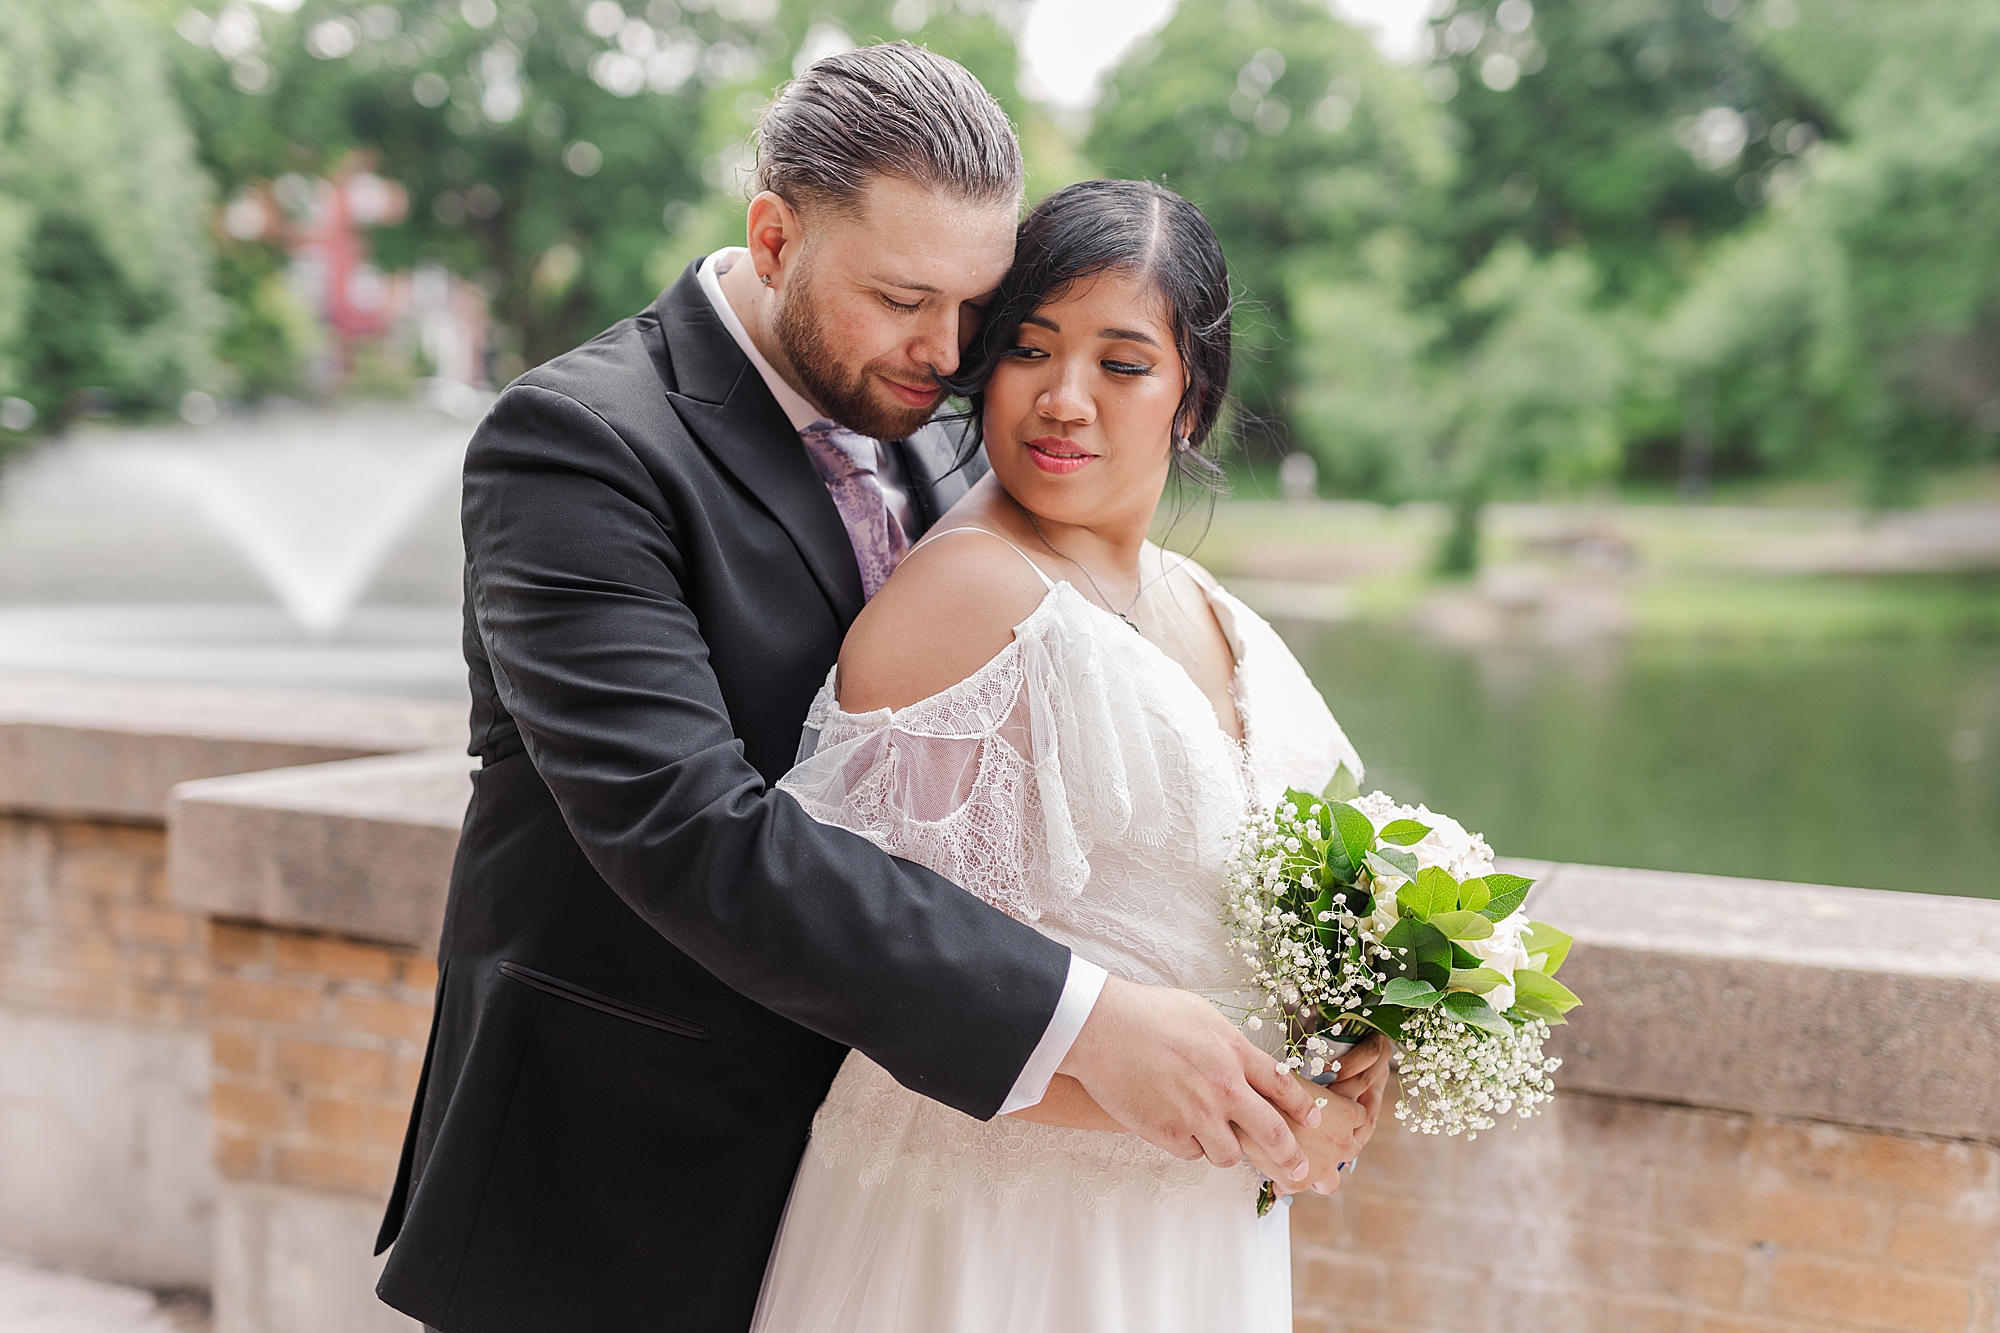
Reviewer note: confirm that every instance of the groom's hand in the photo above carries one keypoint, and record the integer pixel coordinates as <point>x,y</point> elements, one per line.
<point>1170,1068</point>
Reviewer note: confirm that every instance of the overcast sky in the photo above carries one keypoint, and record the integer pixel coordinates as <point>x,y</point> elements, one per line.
<point>1067,44</point>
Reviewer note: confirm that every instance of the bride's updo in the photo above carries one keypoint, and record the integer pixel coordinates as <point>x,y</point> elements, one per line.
<point>1136,227</point>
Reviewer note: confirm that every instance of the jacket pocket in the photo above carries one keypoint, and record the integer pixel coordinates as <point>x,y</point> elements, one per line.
<point>590,999</point>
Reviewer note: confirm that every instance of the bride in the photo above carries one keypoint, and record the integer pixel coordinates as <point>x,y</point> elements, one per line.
<point>1066,720</point>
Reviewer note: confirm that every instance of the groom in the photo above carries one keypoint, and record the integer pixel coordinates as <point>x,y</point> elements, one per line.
<point>652,961</point>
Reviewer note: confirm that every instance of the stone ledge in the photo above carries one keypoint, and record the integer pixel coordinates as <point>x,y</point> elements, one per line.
<point>94,748</point>
<point>362,847</point>
<point>1854,1006</point>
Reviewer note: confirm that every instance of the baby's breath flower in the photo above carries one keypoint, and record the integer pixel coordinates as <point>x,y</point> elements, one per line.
<point>1456,1078</point>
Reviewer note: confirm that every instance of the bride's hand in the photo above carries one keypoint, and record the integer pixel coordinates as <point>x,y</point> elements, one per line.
<point>1364,1076</point>
<point>1327,1145</point>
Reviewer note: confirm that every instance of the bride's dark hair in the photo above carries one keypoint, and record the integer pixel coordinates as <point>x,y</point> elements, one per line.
<point>1136,227</point>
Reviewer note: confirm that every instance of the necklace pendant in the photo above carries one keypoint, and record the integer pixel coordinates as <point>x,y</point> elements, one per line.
<point>1133,623</point>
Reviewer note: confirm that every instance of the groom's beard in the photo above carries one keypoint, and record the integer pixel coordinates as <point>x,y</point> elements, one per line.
<point>848,397</point>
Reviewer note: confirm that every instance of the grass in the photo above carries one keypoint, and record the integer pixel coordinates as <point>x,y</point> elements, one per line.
<point>1698,574</point>
<point>1753,608</point>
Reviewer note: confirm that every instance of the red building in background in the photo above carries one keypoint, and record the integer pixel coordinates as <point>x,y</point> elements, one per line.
<point>322,224</point>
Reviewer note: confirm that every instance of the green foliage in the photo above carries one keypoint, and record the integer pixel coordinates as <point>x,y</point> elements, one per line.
<point>1600,145</point>
<point>1341,786</point>
<point>1477,980</point>
<point>1403,832</point>
<point>1542,938</point>
<point>1508,893</point>
<point>1433,891</point>
<point>1460,923</point>
<point>1409,993</point>
<point>1857,322</point>
<point>1471,1010</point>
<point>104,299</point>
<point>1540,995</point>
<point>1298,141</point>
<point>1420,952</point>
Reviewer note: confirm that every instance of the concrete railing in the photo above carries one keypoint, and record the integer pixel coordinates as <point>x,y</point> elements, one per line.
<point>1780,1106</point>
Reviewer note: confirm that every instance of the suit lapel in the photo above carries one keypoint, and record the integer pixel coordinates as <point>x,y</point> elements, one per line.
<point>929,460</point>
<point>918,484</point>
<point>724,403</point>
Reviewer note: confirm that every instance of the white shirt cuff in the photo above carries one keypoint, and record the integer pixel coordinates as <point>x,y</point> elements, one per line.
<point>1079,996</point>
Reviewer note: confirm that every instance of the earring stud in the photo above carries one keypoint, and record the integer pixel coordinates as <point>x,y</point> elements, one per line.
<point>764,278</point>
<point>1183,443</point>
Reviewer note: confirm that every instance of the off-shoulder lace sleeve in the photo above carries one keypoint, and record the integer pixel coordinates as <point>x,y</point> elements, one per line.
<point>1003,783</point>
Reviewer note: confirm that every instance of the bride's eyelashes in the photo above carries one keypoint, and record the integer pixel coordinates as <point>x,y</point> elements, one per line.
<point>1130,369</point>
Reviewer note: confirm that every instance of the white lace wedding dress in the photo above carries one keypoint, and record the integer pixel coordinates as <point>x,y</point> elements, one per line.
<point>1079,781</point>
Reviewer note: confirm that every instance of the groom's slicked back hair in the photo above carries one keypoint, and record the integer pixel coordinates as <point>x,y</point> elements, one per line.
<point>888,110</point>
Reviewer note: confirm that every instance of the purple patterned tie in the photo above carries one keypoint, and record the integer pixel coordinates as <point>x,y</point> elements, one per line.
<point>846,462</point>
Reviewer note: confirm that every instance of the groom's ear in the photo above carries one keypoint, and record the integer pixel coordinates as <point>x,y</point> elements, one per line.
<point>775,235</point>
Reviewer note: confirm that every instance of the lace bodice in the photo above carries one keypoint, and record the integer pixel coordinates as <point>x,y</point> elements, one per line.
<point>1079,781</point>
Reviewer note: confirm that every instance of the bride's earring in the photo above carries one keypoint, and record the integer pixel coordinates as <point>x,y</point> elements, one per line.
<point>1182,443</point>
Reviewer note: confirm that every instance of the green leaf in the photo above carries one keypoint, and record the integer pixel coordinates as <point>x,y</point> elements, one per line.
<point>1410,993</point>
<point>1390,861</point>
<point>1473,895</point>
<point>1509,892</point>
<point>1403,832</point>
<point>1479,979</point>
<point>1464,957</point>
<point>1342,786</point>
<point>1352,831</point>
<point>1304,800</point>
<point>1544,991</point>
<point>1433,891</point>
<point>1541,937</point>
<point>1429,956</point>
<point>1475,1012</point>
<point>1463,925</point>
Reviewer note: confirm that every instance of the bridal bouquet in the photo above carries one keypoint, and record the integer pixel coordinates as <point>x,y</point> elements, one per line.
<point>1361,915</point>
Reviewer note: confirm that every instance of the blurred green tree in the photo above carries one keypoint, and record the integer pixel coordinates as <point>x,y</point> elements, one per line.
<point>1638,130</point>
<point>104,261</point>
<point>1857,323</point>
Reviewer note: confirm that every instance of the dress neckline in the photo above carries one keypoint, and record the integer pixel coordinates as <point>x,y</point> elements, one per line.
<point>1231,634</point>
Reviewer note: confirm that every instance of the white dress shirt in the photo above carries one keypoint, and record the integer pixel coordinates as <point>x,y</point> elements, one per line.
<point>1086,979</point>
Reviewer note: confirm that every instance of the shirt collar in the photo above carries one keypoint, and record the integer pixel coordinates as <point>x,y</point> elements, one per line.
<point>800,412</point>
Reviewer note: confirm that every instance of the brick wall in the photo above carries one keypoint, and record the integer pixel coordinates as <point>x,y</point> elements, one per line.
<point>317,1042</point>
<point>1619,1216</point>
<point>87,929</point>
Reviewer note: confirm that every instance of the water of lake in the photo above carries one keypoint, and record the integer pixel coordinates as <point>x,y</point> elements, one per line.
<point>1875,765</point>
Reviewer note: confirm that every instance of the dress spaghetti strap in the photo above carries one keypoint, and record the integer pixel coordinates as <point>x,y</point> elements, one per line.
<point>1047,582</point>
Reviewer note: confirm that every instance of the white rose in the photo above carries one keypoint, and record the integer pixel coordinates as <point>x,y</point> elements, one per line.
<point>1504,953</point>
<point>1461,853</point>
<point>1383,919</point>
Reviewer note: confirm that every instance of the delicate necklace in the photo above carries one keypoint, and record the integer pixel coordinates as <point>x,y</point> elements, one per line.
<point>1126,614</point>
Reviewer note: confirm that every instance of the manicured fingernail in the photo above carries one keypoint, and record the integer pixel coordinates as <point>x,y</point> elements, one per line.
<point>1302,1170</point>
<point>1313,1117</point>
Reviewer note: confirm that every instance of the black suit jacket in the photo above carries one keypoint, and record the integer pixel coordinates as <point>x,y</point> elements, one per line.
<point>652,961</point>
